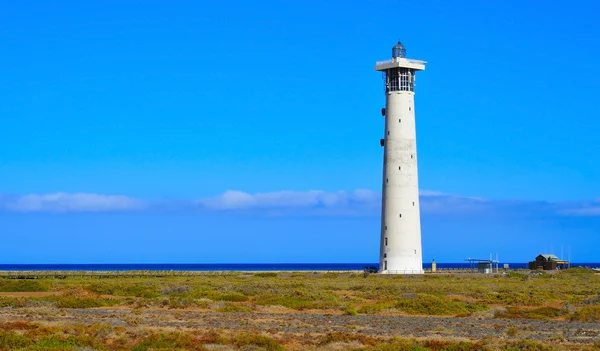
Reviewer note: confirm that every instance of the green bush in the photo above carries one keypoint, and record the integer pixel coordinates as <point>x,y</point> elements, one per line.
<point>257,340</point>
<point>300,298</point>
<point>527,345</point>
<point>514,298</point>
<point>579,270</point>
<point>56,341</point>
<point>184,302</point>
<point>426,304</point>
<point>517,275</point>
<point>535,313</point>
<point>13,341</point>
<point>350,311</point>
<point>233,297</point>
<point>266,274</point>
<point>587,314</point>
<point>22,286</point>
<point>169,342</point>
<point>401,345</point>
<point>465,346</point>
<point>136,289</point>
<point>14,302</point>
<point>231,307</point>
<point>81,302</point>
<point>330,275</point>
<point>347,337</point>
<point>376,307</point>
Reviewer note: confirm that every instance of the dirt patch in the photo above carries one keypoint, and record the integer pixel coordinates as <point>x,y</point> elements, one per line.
<point>80,293</point>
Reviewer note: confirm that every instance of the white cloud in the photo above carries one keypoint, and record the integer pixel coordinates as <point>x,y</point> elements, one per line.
<point>369,202</point>
<point>282,200</point>
<point>589,211</point>
<point>438,203</point>
<point>314,202</point>
<point>583,209</point>
<point>431,193</point>
<point>64,202</point>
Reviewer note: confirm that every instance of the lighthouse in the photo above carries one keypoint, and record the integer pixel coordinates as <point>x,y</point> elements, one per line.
<point>401,249</point>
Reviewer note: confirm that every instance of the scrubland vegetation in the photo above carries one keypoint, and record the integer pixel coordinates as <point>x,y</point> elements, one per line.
<point>568,295</point>
<point>24,336</point>
<point>35,314</point>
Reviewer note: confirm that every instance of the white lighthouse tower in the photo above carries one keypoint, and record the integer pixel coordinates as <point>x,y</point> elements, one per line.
<point>400,251</point>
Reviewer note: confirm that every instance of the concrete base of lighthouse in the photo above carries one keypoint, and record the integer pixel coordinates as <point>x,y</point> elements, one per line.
<point>401,272</point>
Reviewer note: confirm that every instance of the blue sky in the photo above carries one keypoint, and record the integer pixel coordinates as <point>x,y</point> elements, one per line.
<point>191,131</point>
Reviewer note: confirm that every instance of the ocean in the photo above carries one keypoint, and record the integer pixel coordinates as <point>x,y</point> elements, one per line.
<point>234,266</point>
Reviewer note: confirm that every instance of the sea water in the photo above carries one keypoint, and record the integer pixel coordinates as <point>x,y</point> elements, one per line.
<point>237,266</point>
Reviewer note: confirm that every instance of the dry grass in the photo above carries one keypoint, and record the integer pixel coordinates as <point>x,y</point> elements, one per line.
<point>565,296</point>
<point>31,336</point>
<point>540,296</point>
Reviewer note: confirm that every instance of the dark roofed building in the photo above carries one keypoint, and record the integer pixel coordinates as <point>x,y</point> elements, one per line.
<point>548,262</point>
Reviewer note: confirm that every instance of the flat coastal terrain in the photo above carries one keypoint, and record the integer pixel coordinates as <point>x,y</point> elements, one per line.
<point>302,311</point>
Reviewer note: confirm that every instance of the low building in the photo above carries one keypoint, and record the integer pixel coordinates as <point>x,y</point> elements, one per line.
<point>485,267</point>
<point>548,262</point>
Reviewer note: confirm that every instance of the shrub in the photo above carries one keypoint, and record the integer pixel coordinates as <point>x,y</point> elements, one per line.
<point>526,345</point>
<point>331,275</point>
<point>79,292</point>
<point>14,302</point>
<point>587,314</point>
<point>125,289</point>
<point>22,286</point>
<point>432,305</point>
<point>590,301</point>
<point>464,346</point>
<point>398,345</point>
<point>257,340</point>
<point>266,274</point>
<point>579,270</point>
<point>56,341</point>
<point>231,307</point>
<point>175,289</point>
<point>376,307</point>
<point>74,302</point>
<point>81,302</point>
<point>12,341</point>
<point>517,275</point>
<point>299,300</point>
<point>233,297</point>
<point>545,313</point>
<point>169,341</point>
<point>346,337</point>
<point>184,302</point>
<point>350,311</point>
<point>17,325</point>
<point>535,313</point>
<point>513,298</point>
